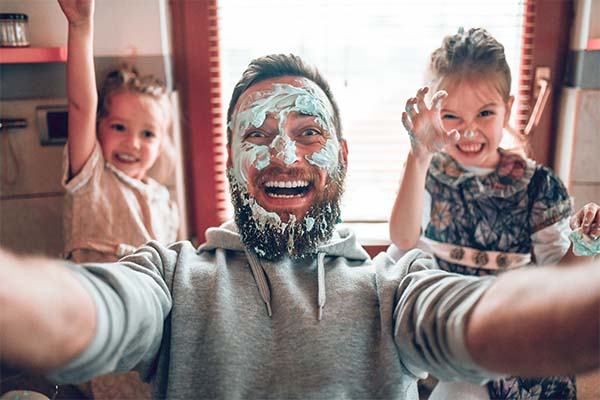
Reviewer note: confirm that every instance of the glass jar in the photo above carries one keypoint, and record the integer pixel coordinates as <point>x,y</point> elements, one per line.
<point>14,30</point>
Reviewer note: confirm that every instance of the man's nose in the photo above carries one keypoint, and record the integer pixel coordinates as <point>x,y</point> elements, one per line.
<point>284,148</point>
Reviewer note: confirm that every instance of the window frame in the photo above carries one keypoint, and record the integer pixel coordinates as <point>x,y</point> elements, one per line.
<point>196,72</point>
<point>196,64</point>
<point>550,48</point>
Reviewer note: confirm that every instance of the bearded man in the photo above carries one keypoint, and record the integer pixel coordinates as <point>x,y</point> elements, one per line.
<point>280,303</point>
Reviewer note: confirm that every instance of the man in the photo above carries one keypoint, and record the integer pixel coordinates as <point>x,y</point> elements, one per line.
<point>280,304</point>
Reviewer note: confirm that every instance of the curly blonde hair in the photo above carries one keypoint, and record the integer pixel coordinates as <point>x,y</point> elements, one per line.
<point>127,79</point>
<point>474,51</point>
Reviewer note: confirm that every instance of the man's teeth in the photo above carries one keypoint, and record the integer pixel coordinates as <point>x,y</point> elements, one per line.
<point>284,196</point>
<point>470,147</point>
<point>286,189</point>
<point>287,184</point>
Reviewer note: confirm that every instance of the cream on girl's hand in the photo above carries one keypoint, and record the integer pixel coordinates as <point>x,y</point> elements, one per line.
<point>78,12</point>
<point>588,219</point>
<point>424,124</point>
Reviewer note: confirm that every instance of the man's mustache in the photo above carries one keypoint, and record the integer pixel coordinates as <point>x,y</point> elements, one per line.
<point>305,173</point>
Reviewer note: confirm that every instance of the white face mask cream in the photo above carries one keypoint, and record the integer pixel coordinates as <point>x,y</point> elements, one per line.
<point>279,101</point>
<point>286,173</point>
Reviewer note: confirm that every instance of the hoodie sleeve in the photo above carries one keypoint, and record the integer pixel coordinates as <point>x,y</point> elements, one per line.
<point>430,317</point>
<point>132,301</point>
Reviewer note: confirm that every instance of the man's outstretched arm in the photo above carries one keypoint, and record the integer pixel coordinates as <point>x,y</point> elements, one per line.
<point>46,315</point>
<point>538,322</point>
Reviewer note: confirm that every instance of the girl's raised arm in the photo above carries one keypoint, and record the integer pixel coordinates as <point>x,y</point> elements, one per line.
<point>81,82</point>
<point>427,136</point>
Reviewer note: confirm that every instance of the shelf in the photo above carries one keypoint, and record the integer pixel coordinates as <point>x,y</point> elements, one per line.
<point>26,55</point>
<point>593,44</point>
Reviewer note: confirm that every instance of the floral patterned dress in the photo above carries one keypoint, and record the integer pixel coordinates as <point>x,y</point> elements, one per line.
<point>497,212</point>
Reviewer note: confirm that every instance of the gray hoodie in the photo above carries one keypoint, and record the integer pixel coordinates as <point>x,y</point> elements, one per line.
<point>219,322</point>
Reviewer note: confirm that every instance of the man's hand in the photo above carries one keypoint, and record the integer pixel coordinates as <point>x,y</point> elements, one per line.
<point>47,316</point>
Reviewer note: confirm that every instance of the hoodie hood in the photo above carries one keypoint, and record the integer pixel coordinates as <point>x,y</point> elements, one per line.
<point>343,243</point>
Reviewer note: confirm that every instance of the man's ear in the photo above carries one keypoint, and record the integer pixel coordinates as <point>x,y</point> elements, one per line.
<point>344,145</point>
<point>228,155</point>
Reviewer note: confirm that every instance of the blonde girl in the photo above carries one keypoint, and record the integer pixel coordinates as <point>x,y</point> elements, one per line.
<point>485,209</point>
<point>112,206</point>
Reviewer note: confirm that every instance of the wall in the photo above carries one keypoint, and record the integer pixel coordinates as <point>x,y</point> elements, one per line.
<point>31,206</point>
<point>585,168</point>
<point>578,140</point>
<point>133,30</point>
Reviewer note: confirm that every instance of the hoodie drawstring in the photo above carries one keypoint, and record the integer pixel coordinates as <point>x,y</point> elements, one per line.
<point>322,298</point>
<point>263,285</point>
<point>261,280</point>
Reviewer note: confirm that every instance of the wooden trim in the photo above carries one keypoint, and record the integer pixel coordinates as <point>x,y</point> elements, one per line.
<point>197,69</point>
<point>553,21</point>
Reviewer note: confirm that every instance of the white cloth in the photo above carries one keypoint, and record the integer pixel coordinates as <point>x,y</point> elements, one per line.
<point>108,214</point>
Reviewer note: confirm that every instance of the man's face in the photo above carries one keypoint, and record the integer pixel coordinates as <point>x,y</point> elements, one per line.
<point>286,162</point>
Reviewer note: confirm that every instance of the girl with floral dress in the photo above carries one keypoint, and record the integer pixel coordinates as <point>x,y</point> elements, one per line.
<point>485,209</point>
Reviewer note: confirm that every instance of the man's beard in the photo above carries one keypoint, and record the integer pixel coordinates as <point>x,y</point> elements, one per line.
<point>265,234</point>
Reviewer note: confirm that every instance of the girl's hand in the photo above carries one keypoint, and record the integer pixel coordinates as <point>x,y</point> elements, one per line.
<point>588,219</point>
<point>424,124</point>
<point>78,12</point>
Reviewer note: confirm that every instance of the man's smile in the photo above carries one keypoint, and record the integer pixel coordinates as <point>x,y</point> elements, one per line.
<point>286,189</point>
<point>285,194</point>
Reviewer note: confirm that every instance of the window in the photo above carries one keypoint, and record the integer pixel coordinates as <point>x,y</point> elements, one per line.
<point>374,54</point>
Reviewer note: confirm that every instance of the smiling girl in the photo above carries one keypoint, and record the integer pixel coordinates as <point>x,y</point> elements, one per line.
<point>484,209</point>
<point>112,206</point>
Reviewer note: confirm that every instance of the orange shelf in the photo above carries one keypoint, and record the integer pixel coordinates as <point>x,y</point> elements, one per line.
<point>593,44</point>
<point>26,55</point>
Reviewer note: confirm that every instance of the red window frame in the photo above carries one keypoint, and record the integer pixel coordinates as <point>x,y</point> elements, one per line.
<point>196,67</point>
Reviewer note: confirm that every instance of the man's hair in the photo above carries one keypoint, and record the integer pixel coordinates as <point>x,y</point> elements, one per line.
<point>467,52</point>
<point>280,65</point>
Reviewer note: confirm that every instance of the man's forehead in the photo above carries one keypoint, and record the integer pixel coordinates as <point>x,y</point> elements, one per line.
<point>267,88</point>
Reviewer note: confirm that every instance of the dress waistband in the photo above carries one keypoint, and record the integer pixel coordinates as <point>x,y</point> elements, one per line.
<point>469,257</point>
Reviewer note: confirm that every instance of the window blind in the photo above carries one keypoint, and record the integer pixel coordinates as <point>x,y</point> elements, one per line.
<point>526,73</point>
<point>374,54</point>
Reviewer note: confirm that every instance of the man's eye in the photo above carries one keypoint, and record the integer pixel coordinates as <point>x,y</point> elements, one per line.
<point>148,134</point>
<point>118,127</point>
<point>311,132</point>
<point>255,134</point>
<point>486,113</point>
